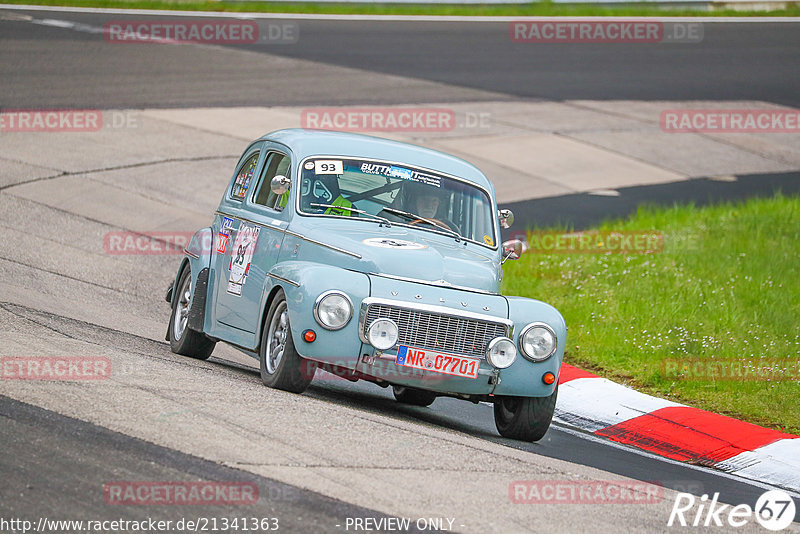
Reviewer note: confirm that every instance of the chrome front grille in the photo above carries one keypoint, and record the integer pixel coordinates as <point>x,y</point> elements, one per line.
<point>437,331</point>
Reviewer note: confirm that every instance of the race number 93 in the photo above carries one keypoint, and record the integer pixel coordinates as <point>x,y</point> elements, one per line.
<point>328,166</point>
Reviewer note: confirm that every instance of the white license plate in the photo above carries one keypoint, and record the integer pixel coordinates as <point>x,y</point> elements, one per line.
<point>449,364</point>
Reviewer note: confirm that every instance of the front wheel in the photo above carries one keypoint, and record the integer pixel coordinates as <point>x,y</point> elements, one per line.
<point>182,339</point>
<point>281,366</point>
<point>524,418</point>
<point>415,397</point>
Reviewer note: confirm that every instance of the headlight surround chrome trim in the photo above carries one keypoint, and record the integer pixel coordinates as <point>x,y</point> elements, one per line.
<point>319,300</point>
<point>525,331</point>
<point>492,344</point>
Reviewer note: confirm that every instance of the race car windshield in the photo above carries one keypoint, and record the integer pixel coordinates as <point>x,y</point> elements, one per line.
<point>366,188</point>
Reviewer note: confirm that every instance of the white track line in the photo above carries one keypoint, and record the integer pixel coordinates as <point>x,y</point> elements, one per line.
<point>379,18</point>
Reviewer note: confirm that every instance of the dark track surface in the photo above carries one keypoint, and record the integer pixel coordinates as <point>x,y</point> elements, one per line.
<point>583,210</point>
<point>55,467</point>
<point>735,61</point>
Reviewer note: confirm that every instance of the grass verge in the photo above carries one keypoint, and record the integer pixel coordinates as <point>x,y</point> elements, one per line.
<point>722,297</point>
<point>542,8</point>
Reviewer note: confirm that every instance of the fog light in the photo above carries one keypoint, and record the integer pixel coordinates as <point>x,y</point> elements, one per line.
<point>309,336</point>
<point>382,334</point>
<point>501,352</point>
<point>548,378</point>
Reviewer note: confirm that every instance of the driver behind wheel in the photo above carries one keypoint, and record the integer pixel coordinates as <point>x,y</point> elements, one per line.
<point>423,200</point>
<point>427,205</point>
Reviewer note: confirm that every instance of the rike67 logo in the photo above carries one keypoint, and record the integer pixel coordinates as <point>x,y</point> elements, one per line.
<point>774,510</point>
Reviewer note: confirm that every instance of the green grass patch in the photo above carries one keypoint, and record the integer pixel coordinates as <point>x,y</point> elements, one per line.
<point>724,289</point>
<point>543,8</point>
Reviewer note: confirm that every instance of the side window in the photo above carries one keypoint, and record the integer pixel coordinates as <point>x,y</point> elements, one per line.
<point>243,179</point>
<point>276,164</point>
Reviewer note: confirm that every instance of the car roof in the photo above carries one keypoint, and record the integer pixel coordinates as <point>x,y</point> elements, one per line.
<point>307,142</point>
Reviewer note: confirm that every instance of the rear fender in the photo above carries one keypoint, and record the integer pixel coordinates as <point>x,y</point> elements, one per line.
<point>198,258</point>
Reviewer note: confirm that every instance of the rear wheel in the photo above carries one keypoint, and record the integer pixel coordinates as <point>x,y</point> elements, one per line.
<point>415,397</point>
<point>182,339</point>
<point>524,418</point>
<point>281,366</point>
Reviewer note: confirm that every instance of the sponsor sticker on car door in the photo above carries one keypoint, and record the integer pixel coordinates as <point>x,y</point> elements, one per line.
<point>224,234</point>
<point>241,255</point>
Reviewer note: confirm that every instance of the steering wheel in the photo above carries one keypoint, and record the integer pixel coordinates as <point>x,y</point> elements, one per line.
<point>436,222</point>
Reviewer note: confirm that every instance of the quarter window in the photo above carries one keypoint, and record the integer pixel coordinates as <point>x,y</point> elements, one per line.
<point>243,179</point>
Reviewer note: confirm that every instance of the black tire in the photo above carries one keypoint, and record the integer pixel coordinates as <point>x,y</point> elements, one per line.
<point>415,397</point>
<point>182,339</point>
<point>285,369</point>
<point>524,418</point>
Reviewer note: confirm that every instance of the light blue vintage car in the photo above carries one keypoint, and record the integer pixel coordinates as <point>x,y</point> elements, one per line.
<point>374,260</point>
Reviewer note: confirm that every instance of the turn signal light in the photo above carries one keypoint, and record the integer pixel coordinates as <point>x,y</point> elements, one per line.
<point>309,336</point>
<point>548,378</point>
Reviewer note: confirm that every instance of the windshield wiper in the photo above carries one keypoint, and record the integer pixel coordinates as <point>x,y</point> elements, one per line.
<point>378,218</point>
<point>436,224</point>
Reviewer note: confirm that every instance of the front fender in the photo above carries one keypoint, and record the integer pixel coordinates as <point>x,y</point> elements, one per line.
<point>302,282</point>
<point>523,377</point>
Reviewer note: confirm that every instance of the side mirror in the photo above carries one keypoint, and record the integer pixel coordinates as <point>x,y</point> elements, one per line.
<point>513,249</point>
<point>280,184</point>
<point>506,218</point>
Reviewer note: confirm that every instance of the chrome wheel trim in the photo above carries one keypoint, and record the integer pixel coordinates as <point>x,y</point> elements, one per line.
<point>181,315</point>
<point>277,335</point>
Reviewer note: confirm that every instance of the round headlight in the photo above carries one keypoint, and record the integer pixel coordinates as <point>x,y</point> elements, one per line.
<point>382,334</point>
<point>333,310</point>
<point>501,352</point>
<point>537,341</point>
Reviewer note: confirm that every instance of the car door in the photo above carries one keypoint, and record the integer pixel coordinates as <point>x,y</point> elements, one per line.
<point>228,322</point>
<point>256,233</point>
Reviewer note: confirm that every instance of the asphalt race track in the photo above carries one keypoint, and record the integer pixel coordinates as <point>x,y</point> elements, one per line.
<point>341,450</point>
<point>734,61</point>
<point>65,459</point>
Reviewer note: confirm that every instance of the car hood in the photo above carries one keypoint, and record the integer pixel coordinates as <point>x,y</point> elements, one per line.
<point>410,254</point>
